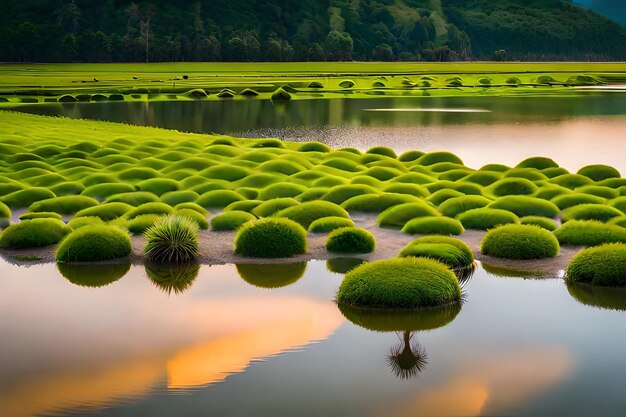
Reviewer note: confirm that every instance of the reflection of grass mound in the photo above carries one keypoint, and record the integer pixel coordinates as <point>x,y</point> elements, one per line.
<point>172,277</point>
<point>602,266</point>
<point>343,265</point>
<point>399,283</point>
<point>517,241</point>
<point>608,298</point>
<point>271,276</point>
<point>93,275</point>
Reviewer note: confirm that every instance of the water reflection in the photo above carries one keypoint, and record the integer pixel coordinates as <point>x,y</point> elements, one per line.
<point>172,277</point>
<point>408,358</point>
<point>605,298</point>
<point>504,272</point>
<point>96,276</point>
<point>464,275</point>
<point>271,275</point>
<point>343,265</point>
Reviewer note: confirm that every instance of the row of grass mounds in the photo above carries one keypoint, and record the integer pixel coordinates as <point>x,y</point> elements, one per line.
<point>350,240</point>
<point>601,265</point>
<point>399,283</point>
<point>520,242</point>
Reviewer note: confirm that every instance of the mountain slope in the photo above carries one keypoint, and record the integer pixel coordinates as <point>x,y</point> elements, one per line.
<point>286,30</point>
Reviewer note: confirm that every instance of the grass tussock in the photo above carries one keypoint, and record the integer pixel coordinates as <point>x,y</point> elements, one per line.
<point>172,239</point>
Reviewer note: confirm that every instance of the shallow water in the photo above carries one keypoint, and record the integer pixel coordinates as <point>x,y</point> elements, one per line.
<point>230,342</point>
<point>481,129</point>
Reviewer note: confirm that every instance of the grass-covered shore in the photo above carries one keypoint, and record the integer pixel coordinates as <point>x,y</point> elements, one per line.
<point>67,83</point>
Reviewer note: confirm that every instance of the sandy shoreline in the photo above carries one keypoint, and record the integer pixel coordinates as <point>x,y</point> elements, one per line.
<point>216,248</point>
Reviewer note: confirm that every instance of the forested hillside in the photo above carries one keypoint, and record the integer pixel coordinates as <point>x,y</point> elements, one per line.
<point>313,30</point>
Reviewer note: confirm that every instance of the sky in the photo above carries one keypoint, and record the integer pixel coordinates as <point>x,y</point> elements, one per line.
<point>613,9</point>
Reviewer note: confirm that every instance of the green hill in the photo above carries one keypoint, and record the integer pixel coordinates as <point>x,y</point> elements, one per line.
<point>315,30</point>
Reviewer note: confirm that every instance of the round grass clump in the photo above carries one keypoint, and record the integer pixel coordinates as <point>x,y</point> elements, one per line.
<point>512,186</point>
<point>527,173</point>
<point>520,242</point>
<point>281,190</point>
<point>601,266</point>
<point>599,191</point>
<point>225,172</point>
<point>484,178</point>
<point>440,196</point>
<point>218,198</point>
<point>245,205</point>
<point>589,233</point>
<point>138,174</point>
<point>487,218</point>
<point>312,194</point>
<point>457,205</point>
<point>67,188</point>
<point>24,198</point>
<point>598,212</point>
<point>103,191</point>
<point>34,233</point>
<point>307,213</point>
<point>177,197</point>
<point>5,211</point>
<point>141,223</point>
<point>342,193</point>
<point>281,167</point>
<point>271,238</point>
<point>64,205</point>
<point>399,215</point>
<point>350,240</point>
<point>599,172</point>
<point>619,203</point>
<point>382,150</point>
<point>149,208</point>
<point>106,211</point>
<point>523,206</point>
<point>538,162</point>
<point>135,198</point>
<point>377,203</point>
<point>613,183</point>
<point>40,215</point>
<point>172,239</point>
<point>269,207</point>
<point>410,156</point>
<point>467,251</point>
<point>93,244</point>
<point>432,158</point>
<point>158,186</point>
<point>542,222</point>
<point>445,253</point>
<point>404,188</point>
<point>231,220</point>
<point>314,147</point>
<point>454,174</point>
<point>78,222</point>
<point>619,221</point>
<point>400,283</point>
<point>570,200</point>
<point>198,218</point>
<point>433,225</point>
<point>192,206</point>
<point>571,181</point>
<point>328,224</point>
<point>415,178</point>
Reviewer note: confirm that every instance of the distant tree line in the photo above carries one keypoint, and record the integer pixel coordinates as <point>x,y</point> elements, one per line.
<point>296,30</point>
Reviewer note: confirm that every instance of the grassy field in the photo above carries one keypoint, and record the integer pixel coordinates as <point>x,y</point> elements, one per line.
<point>40,83</point>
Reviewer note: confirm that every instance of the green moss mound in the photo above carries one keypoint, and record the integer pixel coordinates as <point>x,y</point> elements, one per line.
<point>5,211</point>
<point>570,200</point>
<point>64,205</point>
<point>106,211</point>
<point>198,218</point>
<point>610,298</point>
<point>141,223</point>
<point>281,190</point>
<point>523,206</point>
<point>218,198</point>
<point>397,216</point>
<point>245,205</point>
<point>312,194</point>
<point>67,188</point>
<point>571,181</point>
<point>538,162</point>
<point>619,203</point>
<point>382,150</point>
<point>328,224</point>
<point>350,240</point>
<point>93,276</point>
<point>457,205</point>
<point>484,178</point>
<point>149,208</point>
<point>599,172</point>
<point>307,213</point>
<point>512,186</point>
<point>542,222</point>
<point>33,233</point>
<point>225,172</point>
<point>135,198</point>
<point>271,238</point>
<point>103,191</point>
<point>487,218</point>
<point>467,251</point>
<point>24,198</point>
<point>598,212</point>
<point>314,147</point>
<point>438,197</point>
<point>342,193</point>
<point>410,156</point>
<point>377,203</point>
<point>270,207</point>
<point>78,222</point>
<point>410,189</point>
<point>401,321</point>
<point>41,215</point>
<point>271,276</point>
<point>158,186</point>
<point>601,266</point>
<point>177,197</point>
<point>231,220</point>
<point>445,253</point>
<point>94,243</point>
<point>432,158</point>
<point>589,233</point>
<point>401,283</point>
<point>618,221</point>
<point>433,225</point>
<point>172,239</point>
<point>599,191</point>
<point>520,242</point>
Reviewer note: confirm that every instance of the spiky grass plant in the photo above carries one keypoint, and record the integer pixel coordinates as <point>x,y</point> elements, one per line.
<point>172,239</point>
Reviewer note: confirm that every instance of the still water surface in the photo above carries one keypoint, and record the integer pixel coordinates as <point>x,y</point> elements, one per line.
<point>575,130</point>
<point>224,344</point>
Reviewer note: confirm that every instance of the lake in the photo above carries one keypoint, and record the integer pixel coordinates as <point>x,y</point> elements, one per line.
<point>226,345</point>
